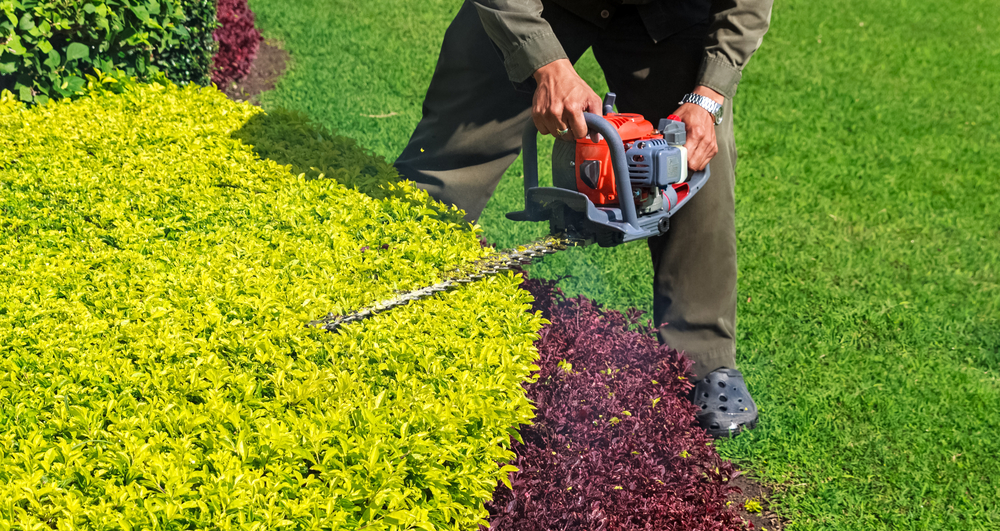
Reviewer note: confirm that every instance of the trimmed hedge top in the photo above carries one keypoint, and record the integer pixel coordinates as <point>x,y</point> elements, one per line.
<point>155,366</point>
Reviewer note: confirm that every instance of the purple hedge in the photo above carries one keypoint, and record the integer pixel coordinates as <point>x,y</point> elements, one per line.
<point>238,41</point>
<point>614,445</point>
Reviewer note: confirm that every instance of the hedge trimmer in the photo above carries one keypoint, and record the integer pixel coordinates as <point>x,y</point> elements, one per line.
<point>621,183</point>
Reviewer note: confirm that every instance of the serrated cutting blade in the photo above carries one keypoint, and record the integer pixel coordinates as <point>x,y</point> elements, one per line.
<point>478,270</point>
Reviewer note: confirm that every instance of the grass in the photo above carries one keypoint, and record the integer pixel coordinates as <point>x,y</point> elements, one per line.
<point>869,233</point>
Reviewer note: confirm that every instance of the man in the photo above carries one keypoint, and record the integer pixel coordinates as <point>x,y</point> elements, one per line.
<point>654,53</point>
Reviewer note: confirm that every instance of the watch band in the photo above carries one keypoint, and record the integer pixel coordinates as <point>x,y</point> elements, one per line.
<point>706,103</point>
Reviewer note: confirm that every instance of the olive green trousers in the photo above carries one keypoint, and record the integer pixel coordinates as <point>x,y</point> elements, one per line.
<point>473,117</point>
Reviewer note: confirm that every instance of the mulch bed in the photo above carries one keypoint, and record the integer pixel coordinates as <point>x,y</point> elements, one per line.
<point>752,490</point>
<point>271,63</point>
<point>266,70</point>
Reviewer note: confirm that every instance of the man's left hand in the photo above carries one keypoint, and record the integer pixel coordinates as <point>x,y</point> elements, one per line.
<point>700,125</point>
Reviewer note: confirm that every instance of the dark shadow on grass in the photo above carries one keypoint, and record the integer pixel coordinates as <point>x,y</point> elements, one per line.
<point>291,139</point>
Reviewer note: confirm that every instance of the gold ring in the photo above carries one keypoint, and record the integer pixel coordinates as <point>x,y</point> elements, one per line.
<point>562,132</point>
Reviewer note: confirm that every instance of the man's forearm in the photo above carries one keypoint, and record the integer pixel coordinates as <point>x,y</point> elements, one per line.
<point>737,30</point>
<point>711,93</point>
<point>518,29</point>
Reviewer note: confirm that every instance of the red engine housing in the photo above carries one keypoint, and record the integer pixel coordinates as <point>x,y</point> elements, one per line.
<point>631,127</point>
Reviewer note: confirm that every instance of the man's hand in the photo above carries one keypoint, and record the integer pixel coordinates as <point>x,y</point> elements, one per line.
<point>700,124</point>
<point>561,99</point>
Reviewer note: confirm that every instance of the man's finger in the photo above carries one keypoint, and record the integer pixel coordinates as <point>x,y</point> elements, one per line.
<point>704,152</point>
<point>578,125</point>
<point>698,163</point>
<point>539,124</point>
<point>554,118</point>
<point>698,155</point>
<point>693,145</point>
<point>695,161</point>
<point>697,152</point>
<point>556,123</point>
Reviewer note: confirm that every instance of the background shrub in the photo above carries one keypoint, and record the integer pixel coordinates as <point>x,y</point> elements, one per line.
<point>238,41</point>
<point>49,45</point>
<point>155,366</point>
<point>188,56</point>
<point>614,445</point>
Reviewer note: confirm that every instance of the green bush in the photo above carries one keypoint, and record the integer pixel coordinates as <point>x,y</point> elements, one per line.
<point>47,46</point>
<point>155,366</point>
<point>186,56</point>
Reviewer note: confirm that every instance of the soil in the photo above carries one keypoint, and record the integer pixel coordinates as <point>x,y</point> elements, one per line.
<point>271,62</point>
<point>752,490</point>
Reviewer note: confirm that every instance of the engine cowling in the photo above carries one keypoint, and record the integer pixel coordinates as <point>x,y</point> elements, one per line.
<point>655,162</point>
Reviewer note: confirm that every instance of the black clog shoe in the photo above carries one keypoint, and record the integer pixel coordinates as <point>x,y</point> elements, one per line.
<point>725,405</point>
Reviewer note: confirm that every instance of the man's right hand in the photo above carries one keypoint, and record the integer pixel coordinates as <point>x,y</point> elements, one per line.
<point>561,99</point>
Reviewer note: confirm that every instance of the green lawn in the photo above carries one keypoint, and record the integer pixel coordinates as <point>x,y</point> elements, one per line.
<point>869,232</point>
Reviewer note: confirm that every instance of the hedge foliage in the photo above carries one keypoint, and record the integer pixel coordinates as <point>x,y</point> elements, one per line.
<point>47,46</point>
<point>614,445</point>
<point>155,367</point>
<point>238,41</point>
<point>188,56</point>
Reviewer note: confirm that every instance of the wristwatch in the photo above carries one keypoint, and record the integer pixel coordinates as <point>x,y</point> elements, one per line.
<point>706,103</point>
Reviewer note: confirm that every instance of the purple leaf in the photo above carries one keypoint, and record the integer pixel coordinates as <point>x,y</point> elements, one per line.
<point>584,463</point>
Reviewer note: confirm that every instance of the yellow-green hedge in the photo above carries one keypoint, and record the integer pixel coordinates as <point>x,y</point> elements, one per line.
<point>156,275</point>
